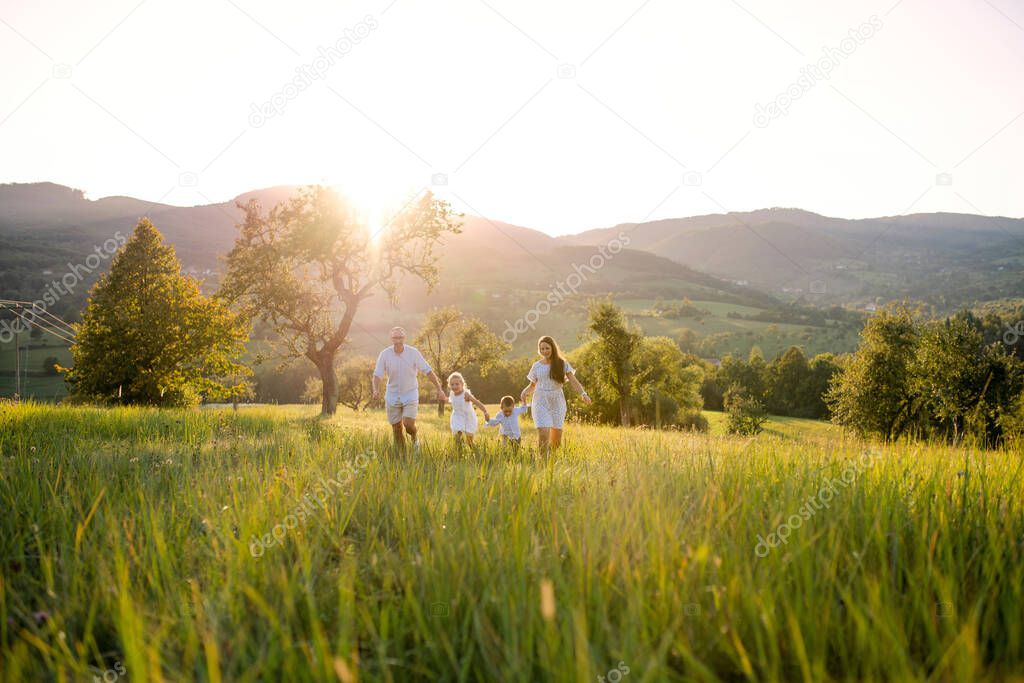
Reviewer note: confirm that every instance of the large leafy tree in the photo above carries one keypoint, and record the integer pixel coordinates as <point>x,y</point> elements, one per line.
<point>873,393</point>
<point>451,341</point>
<point>307,265</point>
<point>751,375</point>
<point>664,383</point>
<point>948,373</point>
<point>148,336</point>
<point>963,384</point>
<point>615,342</point>
<point>665,376</point>
<point>789,375</point>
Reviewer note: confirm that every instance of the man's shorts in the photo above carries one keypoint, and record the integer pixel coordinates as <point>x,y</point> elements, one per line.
<point>398,411</point>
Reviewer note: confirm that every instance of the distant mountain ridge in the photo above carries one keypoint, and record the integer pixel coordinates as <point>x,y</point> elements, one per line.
<point>944,258</point>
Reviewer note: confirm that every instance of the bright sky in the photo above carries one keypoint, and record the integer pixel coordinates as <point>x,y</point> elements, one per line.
<point>557,116</point>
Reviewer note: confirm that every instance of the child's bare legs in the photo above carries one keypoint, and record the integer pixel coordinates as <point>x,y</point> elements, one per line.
<point>469,440</point>
<point>458,442</point>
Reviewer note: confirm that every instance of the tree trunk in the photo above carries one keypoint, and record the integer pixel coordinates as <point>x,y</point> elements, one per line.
<point>624,411</point>
<point>440,408</point>
<point>329,379</point>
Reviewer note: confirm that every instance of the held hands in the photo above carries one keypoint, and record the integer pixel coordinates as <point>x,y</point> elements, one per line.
<point>441,396</point>
<point>585,397</point>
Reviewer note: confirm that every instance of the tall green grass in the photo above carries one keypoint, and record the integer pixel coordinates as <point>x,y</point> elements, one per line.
<point>132,538</point>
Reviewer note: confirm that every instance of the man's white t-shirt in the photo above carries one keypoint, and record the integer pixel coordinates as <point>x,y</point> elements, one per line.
<point>401,369</point>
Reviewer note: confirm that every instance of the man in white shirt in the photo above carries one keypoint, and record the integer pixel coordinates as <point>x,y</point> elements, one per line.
<point>401,364</point>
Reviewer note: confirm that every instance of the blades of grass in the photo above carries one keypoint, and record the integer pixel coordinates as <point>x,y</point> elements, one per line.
<point>84,524</point>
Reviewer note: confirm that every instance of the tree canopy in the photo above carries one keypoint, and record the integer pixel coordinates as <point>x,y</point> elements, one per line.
<point>148,336</point>
<point>307,265</point>
<point>451,340</point>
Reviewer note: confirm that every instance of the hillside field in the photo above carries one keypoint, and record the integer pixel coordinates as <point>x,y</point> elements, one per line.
<point>268,545</point>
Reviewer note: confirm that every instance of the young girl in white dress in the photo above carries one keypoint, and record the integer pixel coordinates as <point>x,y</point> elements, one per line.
<point>463,421</point>
<point>546,379</point>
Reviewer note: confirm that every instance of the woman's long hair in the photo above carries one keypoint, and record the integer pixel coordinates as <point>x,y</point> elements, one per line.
<point>557,362</point>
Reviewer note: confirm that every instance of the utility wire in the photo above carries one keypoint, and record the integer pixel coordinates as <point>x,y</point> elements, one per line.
<point>38,309</point>
<point>52,330</point>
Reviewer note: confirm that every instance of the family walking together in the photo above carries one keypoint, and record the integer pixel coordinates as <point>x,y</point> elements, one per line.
<point>401,364</point>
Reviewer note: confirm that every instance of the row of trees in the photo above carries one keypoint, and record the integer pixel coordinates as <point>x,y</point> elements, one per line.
<point>930,378</point>
<point>790,384</point>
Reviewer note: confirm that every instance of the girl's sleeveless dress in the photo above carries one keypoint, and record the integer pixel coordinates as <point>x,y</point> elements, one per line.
<point>463,414</point>
<point>548,407</point>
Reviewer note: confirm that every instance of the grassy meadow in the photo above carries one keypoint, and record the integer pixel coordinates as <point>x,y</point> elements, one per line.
<point>146,545</point>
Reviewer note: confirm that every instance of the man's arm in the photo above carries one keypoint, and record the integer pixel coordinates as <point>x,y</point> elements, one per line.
<point>441,396</point>
<point>378,373</point>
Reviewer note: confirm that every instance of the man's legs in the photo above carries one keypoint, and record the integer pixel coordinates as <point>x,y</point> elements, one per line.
<point>396,429</point>
<point>395,414</point>
<point>410,427</point>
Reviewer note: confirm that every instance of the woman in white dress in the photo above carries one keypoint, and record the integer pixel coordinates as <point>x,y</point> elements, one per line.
<point>546,379</point>
<point>463,420</point>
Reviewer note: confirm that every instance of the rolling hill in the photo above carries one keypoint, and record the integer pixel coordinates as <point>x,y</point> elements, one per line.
<point>948,260</point>
<point>44,227</point>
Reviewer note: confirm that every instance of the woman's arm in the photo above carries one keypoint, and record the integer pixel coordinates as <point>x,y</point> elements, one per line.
<point>527,391</point>
<point>571,376</point>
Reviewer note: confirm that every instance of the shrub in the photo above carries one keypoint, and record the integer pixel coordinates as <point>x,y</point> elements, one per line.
<point>745,415</point>
<point>693,422</point>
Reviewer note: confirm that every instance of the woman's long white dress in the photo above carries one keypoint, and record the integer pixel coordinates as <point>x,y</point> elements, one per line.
<point>548,407</point>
